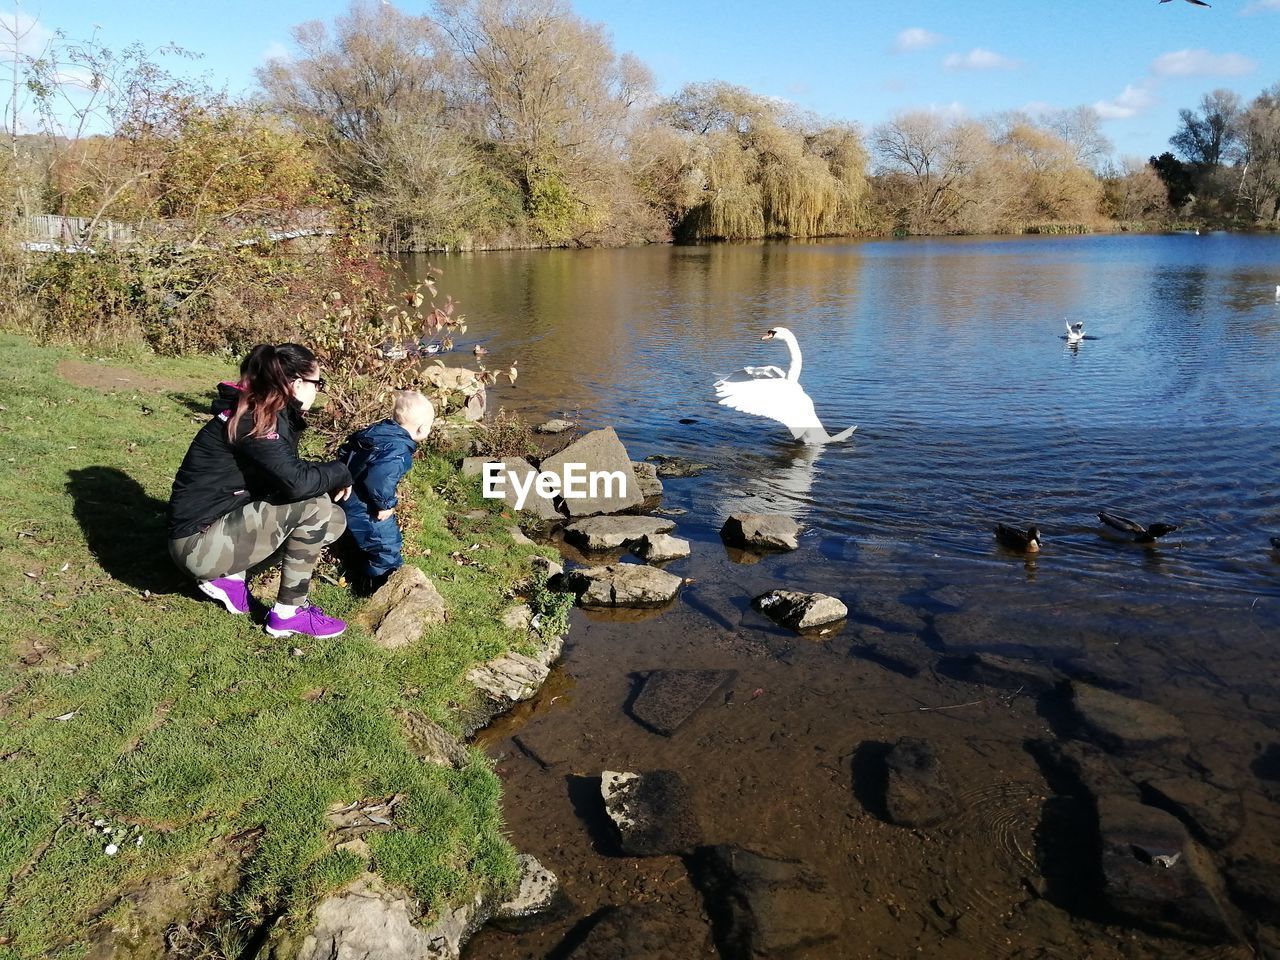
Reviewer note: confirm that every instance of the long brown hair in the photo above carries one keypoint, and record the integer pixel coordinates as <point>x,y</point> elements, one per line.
<point>265,378</point>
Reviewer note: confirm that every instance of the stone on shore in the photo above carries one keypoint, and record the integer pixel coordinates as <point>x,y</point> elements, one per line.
<point>670,697</point>
<point>517,617</point>
<point>598,534</point>
<point>763,907</point>
<point>1122,724</point>
<point>535,901</point>
<point>402,609</point>
<point>555,425</point>
<point>623,585</point>
<point>1157,876</point>
<point>652,811</point>
<point>760,531</point>
<point>431,742</point>
<point>598,452</point>
<point>800,611</point>
<point>506,680</point>
<point>660,548</point>
<point>647,479</point>
<point>535,504</point>
<point>917,792</point>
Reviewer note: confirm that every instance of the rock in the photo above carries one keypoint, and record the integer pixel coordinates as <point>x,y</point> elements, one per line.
<point>1121,723</point>
<point>762,907</point>
<point>660,548</point>
<point>553,426</point>
<point>518,537</point>
<point>670,511</point>
<point>623,585</point>
<point>669,467</point>
<point>759,531</point>
<point>517,617</point>
<point>917,793</point>
<point>597,534</point>
<point>549,569</point>
<point>1089,770</point>
<point>538,896</point>
<point>670,697</point>
<point>1157,876</point>
<point>598,451</point>
<point>630,932</point>
<point>800,611</point>
<point>506,680</point>
<point>1213,815</point>
<point>1256,886</point>
<point>535,504</point>
<point>403,607</point>
<point>369,919</point>
<point>993,670</point>
<point>646,479</point>
<point>431,742</point>
<point>652,811</point>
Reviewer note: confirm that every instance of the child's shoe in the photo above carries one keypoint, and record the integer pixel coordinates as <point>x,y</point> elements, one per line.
<point>309,620</point>
<point>232,594</point>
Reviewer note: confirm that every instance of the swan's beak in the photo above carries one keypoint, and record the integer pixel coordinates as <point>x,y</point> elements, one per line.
<point>768,336</point>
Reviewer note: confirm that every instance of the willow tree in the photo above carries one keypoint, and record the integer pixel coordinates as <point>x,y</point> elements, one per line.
<point>759,169</point>
<point>1042,180</point>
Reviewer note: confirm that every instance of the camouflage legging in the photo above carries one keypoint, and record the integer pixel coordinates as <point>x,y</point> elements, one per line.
<point>252,533</point>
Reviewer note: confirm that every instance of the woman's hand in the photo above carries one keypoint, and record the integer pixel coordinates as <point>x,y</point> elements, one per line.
<point>384,515</point>
<point>342,494</point>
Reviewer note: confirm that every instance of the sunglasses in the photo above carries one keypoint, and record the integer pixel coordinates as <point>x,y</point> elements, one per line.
<point>319,382</point>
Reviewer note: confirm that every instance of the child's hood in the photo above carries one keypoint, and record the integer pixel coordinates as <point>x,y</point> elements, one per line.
<point>227,398</point>
<point>383,435</point>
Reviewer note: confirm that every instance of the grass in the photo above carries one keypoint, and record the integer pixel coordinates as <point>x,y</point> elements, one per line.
<point>129,701</point>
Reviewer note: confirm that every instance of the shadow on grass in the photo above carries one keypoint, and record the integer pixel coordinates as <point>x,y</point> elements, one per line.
<point>125,528</point>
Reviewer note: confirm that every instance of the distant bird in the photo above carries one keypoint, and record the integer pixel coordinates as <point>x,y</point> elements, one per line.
<point>479,351</point>
<point>769,392</point>
<point>1024,541</point>
<point>1198,3</point>
<point>1075,331</point>
<point>1278,293</point>
<point>1140,533</point>
<point>431,348</point>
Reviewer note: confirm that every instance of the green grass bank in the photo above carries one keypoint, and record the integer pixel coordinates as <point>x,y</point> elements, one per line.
<point>210,750</point>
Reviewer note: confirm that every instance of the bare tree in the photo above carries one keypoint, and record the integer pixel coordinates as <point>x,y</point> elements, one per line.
<point>929,163</point>
<point>1259,168</point>
<point>1210,137</point>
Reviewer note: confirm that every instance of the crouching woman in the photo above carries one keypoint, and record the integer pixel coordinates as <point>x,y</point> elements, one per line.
<point>242,492</point>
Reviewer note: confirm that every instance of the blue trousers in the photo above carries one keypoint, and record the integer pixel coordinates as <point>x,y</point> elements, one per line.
<point>379,540</point>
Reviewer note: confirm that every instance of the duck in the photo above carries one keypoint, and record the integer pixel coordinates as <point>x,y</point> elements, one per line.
<point>1075,331</point>
<point>771,392</point>
<point>1024,541</point>
<point>479,351</point>
<point>1140,533</point>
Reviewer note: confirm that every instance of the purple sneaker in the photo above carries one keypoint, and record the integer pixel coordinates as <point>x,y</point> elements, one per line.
<point>309,620</point>
<point>232,594</point>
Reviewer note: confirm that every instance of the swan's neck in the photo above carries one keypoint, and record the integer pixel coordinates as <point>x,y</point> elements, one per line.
<point>793,348</point>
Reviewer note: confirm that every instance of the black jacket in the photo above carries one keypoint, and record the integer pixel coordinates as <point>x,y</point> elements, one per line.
<point>217,476</point>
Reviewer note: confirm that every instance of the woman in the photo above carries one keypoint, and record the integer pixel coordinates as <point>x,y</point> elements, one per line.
<point>242,492</point>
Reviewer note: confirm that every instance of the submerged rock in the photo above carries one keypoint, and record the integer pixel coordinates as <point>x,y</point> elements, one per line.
<point>1213,815</point>
<point>536,900</point>
<point>598,452</point>
<point>761,906</point>
<point>401,610</point>
<point>917,793</point>
<point>800,611</point>
<point>598,534</point>
<point>994,670</point>
<point>669,697</point>
<point>623,585</point>
<point>631,932</point>
<point>1157,876</point>
<point>647,479</point>
<point>669,467</point>
<point>759,531</point>
<point>1122,723</point>
<point>1256,886</point>
<point>660,548</point>
<point>555,425</point>
<point>652,811</point>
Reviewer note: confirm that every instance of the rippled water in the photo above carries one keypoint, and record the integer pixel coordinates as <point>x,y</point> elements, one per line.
<point>971,408</point>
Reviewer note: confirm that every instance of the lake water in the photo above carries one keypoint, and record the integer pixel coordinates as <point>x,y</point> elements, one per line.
<point>971,408</point>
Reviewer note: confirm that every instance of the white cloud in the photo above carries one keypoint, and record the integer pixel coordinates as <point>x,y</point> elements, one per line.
<point>916,38</point>
<point>276,51</point>
<point>978,59</point>
<point>1133,100</point>
<point>31,36</point>
<point>949,111</point>
<point>1262,6</point>
<point>1201,63</point>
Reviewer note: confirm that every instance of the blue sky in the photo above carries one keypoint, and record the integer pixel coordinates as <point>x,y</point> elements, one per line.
<point>1138,61</point>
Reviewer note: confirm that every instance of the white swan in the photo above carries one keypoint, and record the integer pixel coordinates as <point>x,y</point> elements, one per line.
<point>1075,331</point>
<point>769,392</point>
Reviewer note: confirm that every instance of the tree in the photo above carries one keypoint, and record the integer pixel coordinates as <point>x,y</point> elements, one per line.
<point>928,164</point>
<point>1259,169</point>
<point>1042,179</point>
<point>1134,192</point>
<point>1176,177</point>
<point>1211,137</point>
